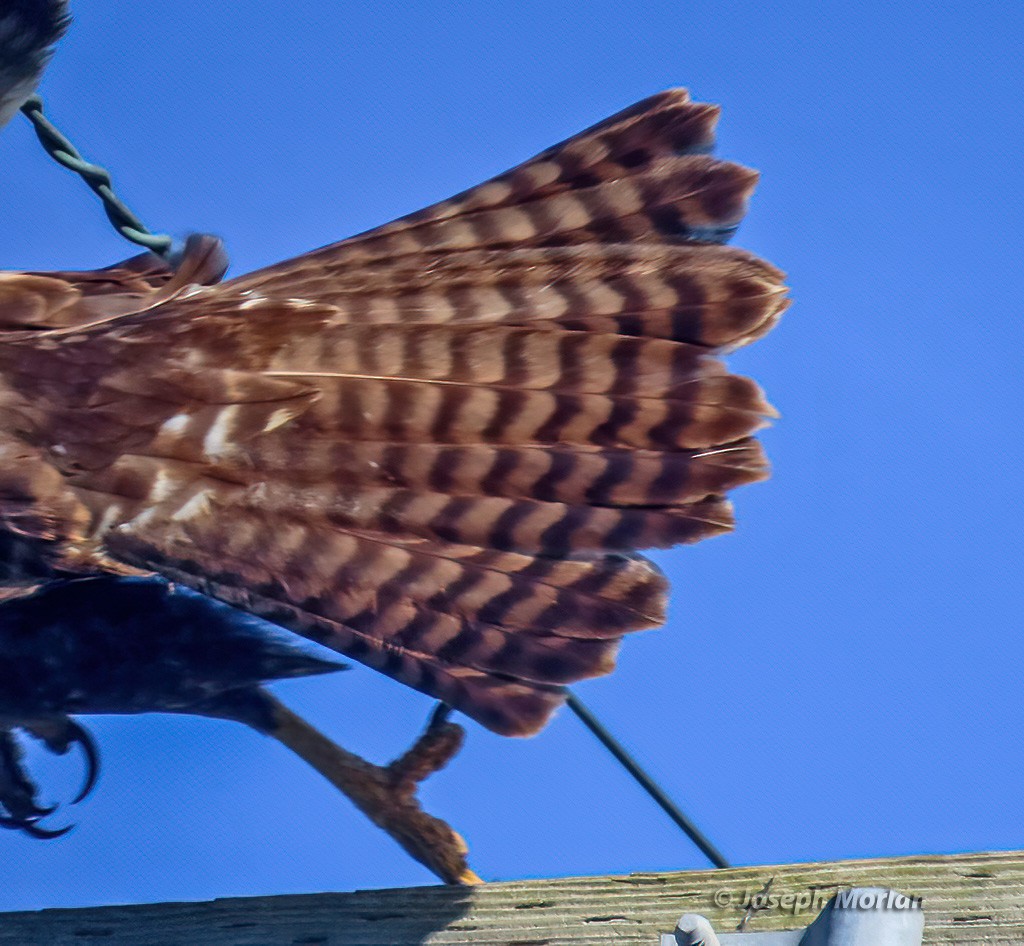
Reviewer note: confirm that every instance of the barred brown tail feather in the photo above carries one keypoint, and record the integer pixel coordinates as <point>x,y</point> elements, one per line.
<point>436,446</point>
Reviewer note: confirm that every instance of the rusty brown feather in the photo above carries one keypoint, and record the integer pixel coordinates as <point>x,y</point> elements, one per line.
<point>435,447</point>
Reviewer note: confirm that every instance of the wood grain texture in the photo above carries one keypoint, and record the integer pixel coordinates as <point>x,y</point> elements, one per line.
<point>969,899</point>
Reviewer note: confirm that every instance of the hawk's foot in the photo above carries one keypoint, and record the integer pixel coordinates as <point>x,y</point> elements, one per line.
<point>387,794</point>
<point>19,794</point>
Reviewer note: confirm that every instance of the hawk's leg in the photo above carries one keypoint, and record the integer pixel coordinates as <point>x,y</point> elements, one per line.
<point>387,794</point>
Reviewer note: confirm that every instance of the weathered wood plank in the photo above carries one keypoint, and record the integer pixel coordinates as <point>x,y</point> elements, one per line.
<point>969,899</point>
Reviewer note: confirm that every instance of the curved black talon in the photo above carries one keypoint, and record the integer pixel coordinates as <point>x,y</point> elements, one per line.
<point>81,736</point>
<point>18,793</point>
<point>46,834</point>
<point>32,812</point>
<point>32,829</point>
<point>59,735</point>
<point>13,824</point>
<point>36,812</point>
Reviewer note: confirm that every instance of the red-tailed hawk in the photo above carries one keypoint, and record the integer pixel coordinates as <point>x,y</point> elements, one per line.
<point>435,447</point>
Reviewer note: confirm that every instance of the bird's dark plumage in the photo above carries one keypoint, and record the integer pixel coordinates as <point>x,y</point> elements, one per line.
<point>28,31</point>
<point>136,645</point>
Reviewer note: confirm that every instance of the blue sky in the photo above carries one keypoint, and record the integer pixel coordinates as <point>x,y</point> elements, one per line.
<point>842,676</point>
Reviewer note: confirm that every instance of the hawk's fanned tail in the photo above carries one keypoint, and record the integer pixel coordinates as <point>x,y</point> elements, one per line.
<point>437,446</point>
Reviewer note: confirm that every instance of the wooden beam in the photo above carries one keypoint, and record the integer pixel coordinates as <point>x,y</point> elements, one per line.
<point>968,899</point>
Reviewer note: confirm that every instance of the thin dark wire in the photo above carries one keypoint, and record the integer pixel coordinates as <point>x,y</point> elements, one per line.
<point>98,178</point>
<point>647,783</point>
